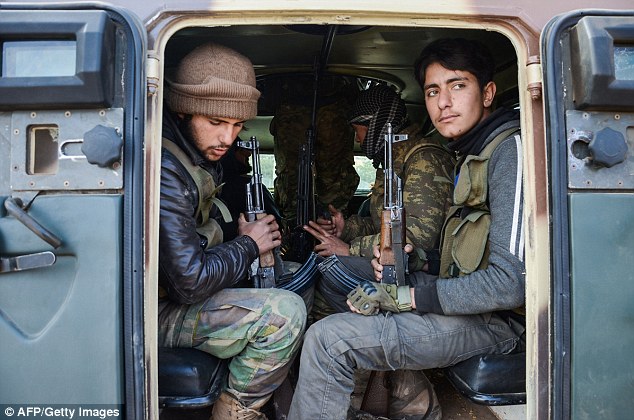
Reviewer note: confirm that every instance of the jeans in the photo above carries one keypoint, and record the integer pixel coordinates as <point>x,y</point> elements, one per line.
<point>337,345</point>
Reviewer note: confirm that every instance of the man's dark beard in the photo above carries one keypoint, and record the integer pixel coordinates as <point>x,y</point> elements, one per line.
<point>186,128</point>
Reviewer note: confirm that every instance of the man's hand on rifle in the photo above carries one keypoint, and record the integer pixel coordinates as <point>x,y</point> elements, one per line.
<point>265,232</point>
<point>368,298</point>
<point>329,244</point>
<point>378,268</point>
<point>334,225</point>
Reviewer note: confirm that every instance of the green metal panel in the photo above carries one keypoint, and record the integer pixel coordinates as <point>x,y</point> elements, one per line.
<point>62,325</point>
<point>602,303</point>
<point>72,332</point>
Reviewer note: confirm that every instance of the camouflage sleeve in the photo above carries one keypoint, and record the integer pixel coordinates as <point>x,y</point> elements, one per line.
<point>427,191</point>
<point>357,226</point>
<point>426,196</point>
<point>362,246</point>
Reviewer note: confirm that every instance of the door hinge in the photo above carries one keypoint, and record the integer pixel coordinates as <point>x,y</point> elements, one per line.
<point>152,70</point>
<point>534,77</point>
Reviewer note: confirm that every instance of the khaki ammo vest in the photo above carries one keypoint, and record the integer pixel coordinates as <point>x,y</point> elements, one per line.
<point>465,235</point>
<point>207,191</point>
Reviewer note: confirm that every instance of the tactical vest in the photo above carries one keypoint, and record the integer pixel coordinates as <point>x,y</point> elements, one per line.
<point>207,191</point>
<point>465,234</point>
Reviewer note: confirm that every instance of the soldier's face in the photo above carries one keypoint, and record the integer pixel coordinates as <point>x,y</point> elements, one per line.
<point>212,136</point>
<point>454,100</point>
<point>360,131</point>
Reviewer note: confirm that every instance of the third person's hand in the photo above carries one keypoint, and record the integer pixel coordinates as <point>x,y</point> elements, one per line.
<point>328,244</point>
<point>333,225</point>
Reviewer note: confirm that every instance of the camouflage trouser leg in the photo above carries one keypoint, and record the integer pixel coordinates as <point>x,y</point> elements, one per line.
<point>259,329</point>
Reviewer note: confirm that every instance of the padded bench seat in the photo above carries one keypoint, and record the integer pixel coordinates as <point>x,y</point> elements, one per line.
<point>492,379</point>
<point>189,378</point>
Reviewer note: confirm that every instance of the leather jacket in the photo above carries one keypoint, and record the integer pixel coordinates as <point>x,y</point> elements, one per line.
<point>187,272</point>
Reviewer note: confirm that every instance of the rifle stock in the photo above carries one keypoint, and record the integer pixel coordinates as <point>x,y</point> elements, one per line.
<point>263,268</point>
<point>392,239</point>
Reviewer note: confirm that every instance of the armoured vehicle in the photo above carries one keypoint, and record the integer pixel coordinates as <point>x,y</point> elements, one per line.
<point>81,93</point>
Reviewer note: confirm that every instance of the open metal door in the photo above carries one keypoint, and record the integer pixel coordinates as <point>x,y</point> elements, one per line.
<point>588,60</point>
<point>72,98</point>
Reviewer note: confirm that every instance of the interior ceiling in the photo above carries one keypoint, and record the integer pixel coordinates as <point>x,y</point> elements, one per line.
<point>381,53</point>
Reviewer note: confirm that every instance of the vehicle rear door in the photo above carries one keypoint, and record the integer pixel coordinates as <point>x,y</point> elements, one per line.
<point>588,61</point>
<point>72,103</point>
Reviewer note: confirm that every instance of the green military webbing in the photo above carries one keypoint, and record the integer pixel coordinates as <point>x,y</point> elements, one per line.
<point>464,240</point>
<point>207,192</point>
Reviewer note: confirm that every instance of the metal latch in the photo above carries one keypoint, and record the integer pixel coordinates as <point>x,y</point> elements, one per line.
<point>27,262</point>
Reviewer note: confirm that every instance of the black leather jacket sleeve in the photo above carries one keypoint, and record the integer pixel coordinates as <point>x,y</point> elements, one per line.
<point>187,272</point>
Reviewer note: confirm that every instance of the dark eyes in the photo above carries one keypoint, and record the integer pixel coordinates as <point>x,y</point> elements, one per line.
<point>434,92</point>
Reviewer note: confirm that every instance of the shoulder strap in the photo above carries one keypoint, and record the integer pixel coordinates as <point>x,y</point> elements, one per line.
<point>489,148</point>
<point>205,185</point>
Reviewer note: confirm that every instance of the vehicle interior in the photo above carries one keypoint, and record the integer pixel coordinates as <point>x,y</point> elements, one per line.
<point>81,105</point>
<point>301,66</point>
<point>347,58</point>
<point>298,65</point>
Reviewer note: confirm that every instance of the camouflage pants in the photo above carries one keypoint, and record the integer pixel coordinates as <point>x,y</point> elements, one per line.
<point>259,329</point>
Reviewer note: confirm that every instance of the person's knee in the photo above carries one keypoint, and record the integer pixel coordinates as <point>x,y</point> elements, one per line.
<point>320,334</point>
<point>313,338</point>
<point>291,307</point>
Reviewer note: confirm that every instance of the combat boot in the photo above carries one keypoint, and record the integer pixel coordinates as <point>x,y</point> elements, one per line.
<point>227,407</point>
<point>412,396</point>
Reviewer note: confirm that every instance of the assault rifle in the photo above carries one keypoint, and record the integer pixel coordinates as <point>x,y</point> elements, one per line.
<point>301,242</point>
<point>393,258</point>
<point>262,272</point>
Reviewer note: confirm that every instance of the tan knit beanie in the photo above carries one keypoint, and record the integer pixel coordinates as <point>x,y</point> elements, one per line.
<point>215,81</point>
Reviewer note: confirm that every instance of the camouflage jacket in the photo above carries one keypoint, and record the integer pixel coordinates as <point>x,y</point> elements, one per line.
<point>335,177</point>
<point>427,187</point>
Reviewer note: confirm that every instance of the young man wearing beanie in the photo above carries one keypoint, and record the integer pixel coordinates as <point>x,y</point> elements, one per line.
<point>437,321</point>
<point>208,100</point>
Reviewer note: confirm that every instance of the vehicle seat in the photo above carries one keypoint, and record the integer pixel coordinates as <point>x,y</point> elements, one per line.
<point>189,378</point>
<point>492,379</point>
